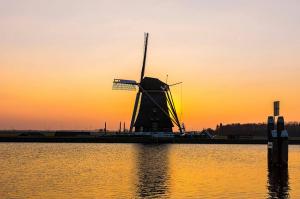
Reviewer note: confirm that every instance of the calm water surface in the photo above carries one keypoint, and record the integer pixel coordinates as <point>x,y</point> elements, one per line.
<point>58,170</point>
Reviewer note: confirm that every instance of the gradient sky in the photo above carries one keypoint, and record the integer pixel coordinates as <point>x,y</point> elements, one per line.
<point>58,59</point>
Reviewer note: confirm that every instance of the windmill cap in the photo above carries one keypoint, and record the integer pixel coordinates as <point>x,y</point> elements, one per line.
<point>149,83</point>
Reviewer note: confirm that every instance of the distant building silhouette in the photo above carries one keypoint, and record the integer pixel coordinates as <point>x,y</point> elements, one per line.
<point>253,129</point>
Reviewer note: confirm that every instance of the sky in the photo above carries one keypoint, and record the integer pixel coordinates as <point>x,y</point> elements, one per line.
<point>58,59</point>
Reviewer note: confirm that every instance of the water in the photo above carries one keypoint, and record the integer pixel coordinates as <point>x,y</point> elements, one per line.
<point>59,170</point>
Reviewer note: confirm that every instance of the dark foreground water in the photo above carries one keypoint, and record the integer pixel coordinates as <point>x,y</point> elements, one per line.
<point>58,170</point>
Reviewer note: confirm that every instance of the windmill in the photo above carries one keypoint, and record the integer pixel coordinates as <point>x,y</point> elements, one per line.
<point>154,109</point>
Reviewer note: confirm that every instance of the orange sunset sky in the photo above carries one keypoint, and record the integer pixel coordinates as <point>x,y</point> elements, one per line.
<point>58,59</point>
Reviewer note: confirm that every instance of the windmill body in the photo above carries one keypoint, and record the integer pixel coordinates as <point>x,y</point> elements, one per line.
<point>153,117</point>
<point>154,109</point>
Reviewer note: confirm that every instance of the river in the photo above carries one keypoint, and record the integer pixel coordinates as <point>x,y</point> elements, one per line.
<point>85,170</point>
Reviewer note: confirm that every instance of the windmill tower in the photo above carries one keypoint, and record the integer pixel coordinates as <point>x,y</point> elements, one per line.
<point>154,109</point>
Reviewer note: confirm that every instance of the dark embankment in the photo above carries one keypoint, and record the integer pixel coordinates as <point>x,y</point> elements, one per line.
<point>136,139</point>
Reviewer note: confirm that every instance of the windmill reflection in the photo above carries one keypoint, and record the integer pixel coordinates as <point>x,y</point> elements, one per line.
<point>278,182</point>
<point>153,177</point>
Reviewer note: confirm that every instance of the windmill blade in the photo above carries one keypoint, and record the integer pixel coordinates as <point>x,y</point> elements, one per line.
<point>145,56</point>
<point>138,95</point>
<point>136,103</point>
<point>173,109</point>
<point>123,84</point>
<point>175,84</point>
<point>157,105</point>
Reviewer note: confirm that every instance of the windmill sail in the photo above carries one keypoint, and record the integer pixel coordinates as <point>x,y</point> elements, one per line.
<point>145,56</point>
<point>138,95</point>
<point>123,84</point>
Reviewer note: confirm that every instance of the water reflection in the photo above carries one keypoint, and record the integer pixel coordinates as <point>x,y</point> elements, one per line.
<point>278,182</point>
<point>65,170</point>
<point>152,165</point>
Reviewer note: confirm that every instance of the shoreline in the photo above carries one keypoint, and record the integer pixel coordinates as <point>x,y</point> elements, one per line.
<point>136,139</point>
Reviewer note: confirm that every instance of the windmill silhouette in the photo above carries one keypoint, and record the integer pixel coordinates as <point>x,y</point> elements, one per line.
<point>154,102</point>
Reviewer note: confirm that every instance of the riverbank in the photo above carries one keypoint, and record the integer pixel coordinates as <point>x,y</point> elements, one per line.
<point>137,139</point>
